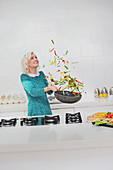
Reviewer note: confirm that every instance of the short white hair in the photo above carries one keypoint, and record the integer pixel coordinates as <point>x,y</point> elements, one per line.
<point>24,61</point>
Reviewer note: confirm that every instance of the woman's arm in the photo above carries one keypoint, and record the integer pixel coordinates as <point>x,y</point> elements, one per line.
<point>50,88</point>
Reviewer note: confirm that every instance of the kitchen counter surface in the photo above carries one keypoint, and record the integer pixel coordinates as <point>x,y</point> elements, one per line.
<point>61,136</point>
<point>86,101</point>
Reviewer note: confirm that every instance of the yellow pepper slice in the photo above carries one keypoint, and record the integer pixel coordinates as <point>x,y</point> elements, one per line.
<point>62,73</point>
<point>51,77</point>
<point>52,63</point>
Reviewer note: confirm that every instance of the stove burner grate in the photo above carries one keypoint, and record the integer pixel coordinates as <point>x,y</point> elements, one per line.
<point>51,120</point>
<point>29,121</point>
<point>73,118</point>
<point>8,123</point>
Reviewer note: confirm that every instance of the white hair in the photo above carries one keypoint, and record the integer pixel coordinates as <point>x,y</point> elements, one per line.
<point>24,62</point>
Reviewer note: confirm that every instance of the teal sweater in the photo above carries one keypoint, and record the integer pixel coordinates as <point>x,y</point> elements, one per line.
<point>37,99</point>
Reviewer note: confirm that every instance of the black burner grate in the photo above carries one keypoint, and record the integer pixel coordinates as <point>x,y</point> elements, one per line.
<point>51,120</point>
<point>73,118</point>
<point>29,121</point>
<point>8,122</point>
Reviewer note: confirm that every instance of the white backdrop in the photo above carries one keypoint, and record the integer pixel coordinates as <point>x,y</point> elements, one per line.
<point>84,27</point>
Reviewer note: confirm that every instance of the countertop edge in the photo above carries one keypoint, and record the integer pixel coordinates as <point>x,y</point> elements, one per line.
<point>56,146</point>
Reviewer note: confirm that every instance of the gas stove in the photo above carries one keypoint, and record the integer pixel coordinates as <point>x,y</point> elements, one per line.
<point>40,120</point>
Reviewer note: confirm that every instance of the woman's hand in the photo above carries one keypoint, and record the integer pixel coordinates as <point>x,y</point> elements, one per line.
<point>50,87</point>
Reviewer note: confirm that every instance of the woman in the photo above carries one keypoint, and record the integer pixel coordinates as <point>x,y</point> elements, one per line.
<point>36,86</point>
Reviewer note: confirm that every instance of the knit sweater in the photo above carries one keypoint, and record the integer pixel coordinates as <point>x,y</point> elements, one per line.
<point>37,99</point>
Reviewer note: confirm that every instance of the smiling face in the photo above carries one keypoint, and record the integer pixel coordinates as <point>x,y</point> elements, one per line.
<point>33,62</point>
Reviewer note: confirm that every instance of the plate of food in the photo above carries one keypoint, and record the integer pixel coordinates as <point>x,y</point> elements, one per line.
<point>101,119</point>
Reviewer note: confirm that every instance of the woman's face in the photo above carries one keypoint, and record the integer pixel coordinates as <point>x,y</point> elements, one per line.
<point>33,62</point>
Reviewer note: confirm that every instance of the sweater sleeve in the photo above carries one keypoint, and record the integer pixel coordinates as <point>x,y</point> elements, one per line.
<point>46,82</point>
<point>29,88</point>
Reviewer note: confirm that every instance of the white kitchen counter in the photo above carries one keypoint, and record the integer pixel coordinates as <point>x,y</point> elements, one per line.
<point>63,136</point>
<point>86,101</point>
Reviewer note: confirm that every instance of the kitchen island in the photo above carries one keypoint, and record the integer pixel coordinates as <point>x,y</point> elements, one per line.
<point>62,146</point>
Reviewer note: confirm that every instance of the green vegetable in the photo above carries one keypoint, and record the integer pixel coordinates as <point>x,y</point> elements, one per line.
<point>66,52</point>
<point>99,122</point>
<point>52,41</point>
<point>66,67</point>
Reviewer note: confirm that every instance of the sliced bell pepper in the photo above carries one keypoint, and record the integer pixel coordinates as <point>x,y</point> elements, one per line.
<point>52,63</point>
<point>55,52</point>
<point>51,49</point>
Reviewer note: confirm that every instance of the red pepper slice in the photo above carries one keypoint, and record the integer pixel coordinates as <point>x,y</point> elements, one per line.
<point>78,82</point>
<point>58,70</point>
<point>59,89</point>
<point>63,61</point>
<point>78,92</point>
<point>55,52</point>
<point>52,50</point>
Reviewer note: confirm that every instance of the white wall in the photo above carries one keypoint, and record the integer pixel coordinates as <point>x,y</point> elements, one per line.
<point>84,27</point>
